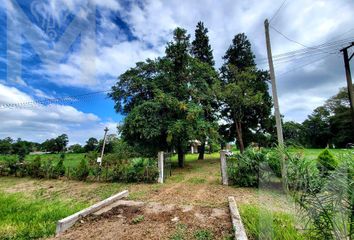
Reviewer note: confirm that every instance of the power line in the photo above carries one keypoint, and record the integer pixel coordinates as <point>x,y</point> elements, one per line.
<point>45,102</point>
<point>294,41</point>
<point>327,47</point>
<point>277,12</point>
<point>302,66</point>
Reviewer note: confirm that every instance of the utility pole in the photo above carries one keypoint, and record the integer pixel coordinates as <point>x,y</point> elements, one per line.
<point>276,108</point>
<point>104,144</point>
<point>274,87</point>
<point>349,78</point>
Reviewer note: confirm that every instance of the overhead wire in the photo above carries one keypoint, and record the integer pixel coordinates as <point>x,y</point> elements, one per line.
<point>278,11</point>
<point>52,101</point>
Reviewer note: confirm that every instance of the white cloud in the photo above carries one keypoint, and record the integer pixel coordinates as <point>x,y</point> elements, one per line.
<point>38,122</point>
<point>151,24</point>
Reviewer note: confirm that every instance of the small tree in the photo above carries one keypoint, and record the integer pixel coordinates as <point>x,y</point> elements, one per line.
<point>22,154</point>
<point>83,170</point>
<point>60,168</point>
<point>326,162</point>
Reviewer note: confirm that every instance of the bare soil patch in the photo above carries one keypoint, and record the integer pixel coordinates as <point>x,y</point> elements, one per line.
<point>139,220</point>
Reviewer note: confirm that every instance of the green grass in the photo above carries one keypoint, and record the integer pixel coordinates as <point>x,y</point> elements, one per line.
<point>263,224</point>
<point>203,234</point>
<point>23,217</point>
<point>71,159</point>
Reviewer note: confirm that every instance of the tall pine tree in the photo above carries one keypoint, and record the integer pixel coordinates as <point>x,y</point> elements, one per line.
<point>247,104</point>
<point>202,51</point>
<point>201,48</point>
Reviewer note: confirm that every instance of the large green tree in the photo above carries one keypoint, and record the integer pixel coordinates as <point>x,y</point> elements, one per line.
<point>202,51</point>
<point>317,128</point>
<point>330,123</point>
<point>162,100</point>
<point>247,104</point>
<point>91,144</point>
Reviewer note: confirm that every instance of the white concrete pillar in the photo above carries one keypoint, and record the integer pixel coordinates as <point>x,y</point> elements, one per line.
<point>223,168</point>
<point>160,157</point>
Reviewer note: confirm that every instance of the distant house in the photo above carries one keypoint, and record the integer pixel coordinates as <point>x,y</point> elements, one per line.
<point>38,153</point>
<point>194,145</point>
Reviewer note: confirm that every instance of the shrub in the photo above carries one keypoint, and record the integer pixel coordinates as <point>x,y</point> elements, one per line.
<point>244,169</point>
<point>274,162</point>
<point>22,154</point>
<point>136,170</point>
<point>302,173</point>
<point>11,166</point>
<point>92,158</point>
<point>142,170</point>
<point>326,162</point>
<point>120,171</point>
<point>34,168</point>
<point>60,168</point>
<point>83,170</point>
<point>330,210</point>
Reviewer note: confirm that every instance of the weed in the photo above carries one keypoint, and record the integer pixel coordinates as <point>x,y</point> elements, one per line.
<point>138,219</point>
<point>180,233</point>
<point>203,234</point>
<point>196,180</point>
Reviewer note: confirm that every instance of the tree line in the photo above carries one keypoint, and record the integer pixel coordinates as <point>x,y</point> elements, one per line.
<point>328,125</point>
<point>54,145</point>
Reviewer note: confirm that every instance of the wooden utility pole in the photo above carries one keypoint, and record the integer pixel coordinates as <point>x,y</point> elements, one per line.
<point>274,87</point>
<point>104,144</point>
<point>349,78</point>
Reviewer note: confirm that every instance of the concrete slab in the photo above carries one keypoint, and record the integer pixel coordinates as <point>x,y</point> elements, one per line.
<point>67,222</point>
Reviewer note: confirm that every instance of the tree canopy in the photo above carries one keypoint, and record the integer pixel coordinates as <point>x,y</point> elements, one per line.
<point>246,101</point>
<point>165,99</point>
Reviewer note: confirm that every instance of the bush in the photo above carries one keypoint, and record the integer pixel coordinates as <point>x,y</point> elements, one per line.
<point>48,170</point>
<point>60,168</point>
<point>34,168</point>
<point>274,162</point>
<point>244,169</point>
<point>83,170</point>
<point>136,170</point>
<point>326,162</point>
<point>302,173</point>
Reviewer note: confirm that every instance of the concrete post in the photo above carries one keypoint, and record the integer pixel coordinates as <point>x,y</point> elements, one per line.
<point>160,166</point>
<point>223,167</point>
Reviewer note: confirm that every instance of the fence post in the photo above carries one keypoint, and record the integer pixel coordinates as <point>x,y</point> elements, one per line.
<point>223,166</point>
<point>160,159</point>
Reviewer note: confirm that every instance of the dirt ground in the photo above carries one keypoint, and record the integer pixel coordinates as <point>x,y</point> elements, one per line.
<point>139,220</point>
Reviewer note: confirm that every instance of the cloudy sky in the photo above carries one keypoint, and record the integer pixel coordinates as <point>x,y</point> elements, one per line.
<point>61,48</point>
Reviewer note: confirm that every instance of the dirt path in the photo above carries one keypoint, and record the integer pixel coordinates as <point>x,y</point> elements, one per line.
<point>191,202</point>
<point>133,220</point>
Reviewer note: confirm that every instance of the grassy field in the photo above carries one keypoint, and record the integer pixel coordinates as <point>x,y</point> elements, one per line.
<point>71,159</point>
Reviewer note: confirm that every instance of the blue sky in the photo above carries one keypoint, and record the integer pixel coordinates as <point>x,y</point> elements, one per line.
<point>124,32</point>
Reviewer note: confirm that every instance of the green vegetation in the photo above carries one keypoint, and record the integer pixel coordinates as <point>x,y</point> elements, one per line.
<point>322,189</point>
<point>203,234</point>
<point>138,219</point>
<point>180,233</point>
<point>326,162</point>
<point>265,225</point>
<point>23,217</point>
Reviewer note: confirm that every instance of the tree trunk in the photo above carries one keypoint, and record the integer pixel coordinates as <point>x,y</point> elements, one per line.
<point>239,136</point>
<point>201,151</point>
<point>180,157</point>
